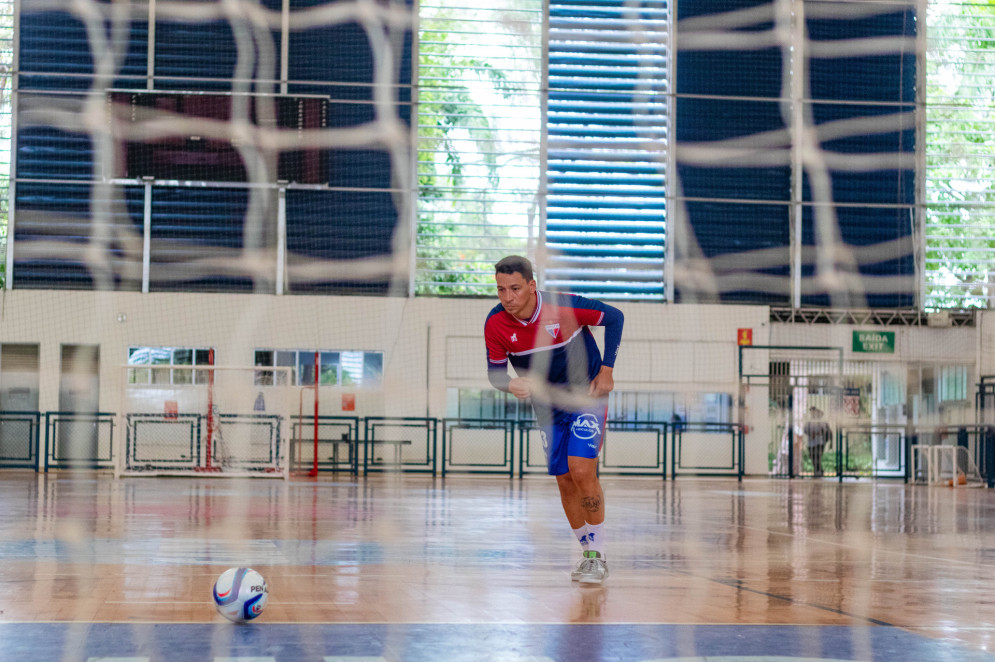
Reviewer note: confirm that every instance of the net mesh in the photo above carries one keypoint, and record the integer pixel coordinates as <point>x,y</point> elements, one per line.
<point>947,465</point>
<point>290,160</point>
<point>212,420</point>
<point>224,155</point>
<point>351,149</point>
<point>277,159</point>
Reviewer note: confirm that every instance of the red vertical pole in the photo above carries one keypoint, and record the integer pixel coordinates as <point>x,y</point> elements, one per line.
<point>317,375</point>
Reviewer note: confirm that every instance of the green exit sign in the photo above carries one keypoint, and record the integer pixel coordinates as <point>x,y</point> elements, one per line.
<point>878,342</point>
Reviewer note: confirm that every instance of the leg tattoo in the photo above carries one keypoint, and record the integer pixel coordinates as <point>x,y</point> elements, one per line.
<point>592,504</point>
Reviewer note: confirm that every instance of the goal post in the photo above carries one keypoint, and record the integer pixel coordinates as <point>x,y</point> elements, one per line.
<point>205,420</point>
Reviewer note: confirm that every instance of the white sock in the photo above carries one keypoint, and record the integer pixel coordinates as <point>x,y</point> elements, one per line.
<point>581,534</point>
<point>596,538</point>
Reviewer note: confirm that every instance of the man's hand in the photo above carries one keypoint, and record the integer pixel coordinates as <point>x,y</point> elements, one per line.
<point>603,383</point>
<point>520,387</point>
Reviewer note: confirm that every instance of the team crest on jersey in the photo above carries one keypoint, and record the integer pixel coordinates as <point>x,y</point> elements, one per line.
<point>586,426</point>
<point>553,330</point>
<point>514,337</point>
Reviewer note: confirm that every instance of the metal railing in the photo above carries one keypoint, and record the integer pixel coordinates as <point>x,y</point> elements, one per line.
<point>693,453</point>
<point>468,446</point>
<point>78,440</point>
<point>19,439</point>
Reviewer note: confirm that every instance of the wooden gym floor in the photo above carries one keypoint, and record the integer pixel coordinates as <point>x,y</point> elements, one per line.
<point>406,568</point>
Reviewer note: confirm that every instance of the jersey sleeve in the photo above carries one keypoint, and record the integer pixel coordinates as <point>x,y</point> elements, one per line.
<point>596,313</point>
<point>497,360</point>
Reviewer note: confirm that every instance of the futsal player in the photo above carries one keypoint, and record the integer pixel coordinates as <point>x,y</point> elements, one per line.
<point>546,337</point>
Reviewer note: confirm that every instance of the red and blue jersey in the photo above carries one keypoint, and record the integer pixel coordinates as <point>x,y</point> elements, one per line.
<point>559,326</point>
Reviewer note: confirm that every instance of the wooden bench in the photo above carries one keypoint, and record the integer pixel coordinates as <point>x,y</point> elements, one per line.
<point>352,448</point>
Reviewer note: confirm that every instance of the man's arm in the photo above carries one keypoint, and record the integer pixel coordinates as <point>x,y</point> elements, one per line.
<point>613,321</point>
<point>497,371</point>
<point>497,375</point>
<point>520,387</point>
<point>591,312</point>
<point>603,383</point>
<point>497,358</point>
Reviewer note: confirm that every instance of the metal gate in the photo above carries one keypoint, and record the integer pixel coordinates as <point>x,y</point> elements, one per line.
<point>803,384</point>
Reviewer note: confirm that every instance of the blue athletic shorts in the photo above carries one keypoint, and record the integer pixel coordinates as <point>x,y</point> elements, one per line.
<point>573,434</point>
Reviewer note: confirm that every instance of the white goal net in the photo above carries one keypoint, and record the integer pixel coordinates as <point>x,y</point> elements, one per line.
<point>205,420</point>
<point>944,464</point>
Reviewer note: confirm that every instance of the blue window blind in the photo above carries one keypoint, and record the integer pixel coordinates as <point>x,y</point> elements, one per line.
<point>850,75</point>
<point>335,225</point>
<point>607,147</point>
<point>738,217</point>
<point>867,103</point>
<point>54,52</point>
<point>61,212</point>
<point>193,228</point>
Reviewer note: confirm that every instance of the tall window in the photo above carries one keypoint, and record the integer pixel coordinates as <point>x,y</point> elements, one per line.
<point>573,176</point>
<point>952,383</point>
<point>960,155</point>
<point>478,130</point>
<point>168,356</point>
<point>349,368</point>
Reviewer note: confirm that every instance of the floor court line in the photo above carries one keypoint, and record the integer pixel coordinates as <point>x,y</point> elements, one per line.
<point>559,643</point>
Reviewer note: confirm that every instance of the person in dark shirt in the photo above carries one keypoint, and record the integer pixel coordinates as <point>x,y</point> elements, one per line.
<point>818,434</point>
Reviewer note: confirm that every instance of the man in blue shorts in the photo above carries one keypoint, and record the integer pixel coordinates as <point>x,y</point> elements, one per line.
<point>546,337</point>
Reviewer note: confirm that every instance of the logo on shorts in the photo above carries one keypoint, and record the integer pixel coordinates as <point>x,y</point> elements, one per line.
<point>586,426</point>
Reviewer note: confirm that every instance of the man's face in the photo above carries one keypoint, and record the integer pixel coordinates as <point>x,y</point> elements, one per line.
<point>516,294</point>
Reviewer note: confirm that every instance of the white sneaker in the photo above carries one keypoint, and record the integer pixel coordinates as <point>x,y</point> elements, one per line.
<point>580,569</point>
<point>594,570</point>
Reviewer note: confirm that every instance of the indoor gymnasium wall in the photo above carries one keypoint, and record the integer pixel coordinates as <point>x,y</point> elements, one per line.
<point>435,345</point>
<point>430,344</point>
<point>912,343</point>
<point>986,343</point>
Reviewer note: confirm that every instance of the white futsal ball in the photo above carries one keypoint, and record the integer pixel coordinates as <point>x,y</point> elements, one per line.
<point>240,594</point>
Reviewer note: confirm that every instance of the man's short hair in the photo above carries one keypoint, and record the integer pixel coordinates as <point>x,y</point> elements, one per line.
<point>515,264</point>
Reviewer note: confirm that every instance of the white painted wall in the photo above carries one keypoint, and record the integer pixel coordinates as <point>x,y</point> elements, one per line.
<point>986,343</point>
<point>430,344</point>
<point>925,344</point>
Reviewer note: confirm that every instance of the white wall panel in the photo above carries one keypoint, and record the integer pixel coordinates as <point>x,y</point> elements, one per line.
<point>634,362</point>
<point>460,354</point>
<point>672,361</point>
<point>715,362</point>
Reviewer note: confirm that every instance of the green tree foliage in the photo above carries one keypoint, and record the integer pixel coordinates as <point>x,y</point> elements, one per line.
<point>960,155</point>
<point>453,138</point>
<point>461,158</point>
